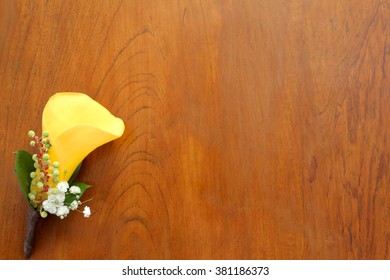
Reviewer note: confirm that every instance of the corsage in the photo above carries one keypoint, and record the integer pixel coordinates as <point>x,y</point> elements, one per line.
<point>73,125</point>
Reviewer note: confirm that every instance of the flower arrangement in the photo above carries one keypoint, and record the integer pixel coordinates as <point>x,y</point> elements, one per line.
<point>73,125</point>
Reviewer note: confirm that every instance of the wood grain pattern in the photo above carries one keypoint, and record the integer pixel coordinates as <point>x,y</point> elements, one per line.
<point>254,129</point>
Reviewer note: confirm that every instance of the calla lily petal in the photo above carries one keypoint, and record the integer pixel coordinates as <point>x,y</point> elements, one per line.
<point>77,125</point>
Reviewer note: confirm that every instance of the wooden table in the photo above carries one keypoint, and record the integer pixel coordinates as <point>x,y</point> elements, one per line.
<point>254,129</point>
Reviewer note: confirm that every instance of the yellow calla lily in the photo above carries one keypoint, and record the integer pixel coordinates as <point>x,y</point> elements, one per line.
<point>77,125</point>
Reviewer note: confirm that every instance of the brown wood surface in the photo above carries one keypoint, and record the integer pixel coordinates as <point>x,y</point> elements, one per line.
<point>254,129</point>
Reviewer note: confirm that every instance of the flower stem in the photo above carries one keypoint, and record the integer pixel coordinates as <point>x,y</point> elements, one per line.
<point>33,218</point>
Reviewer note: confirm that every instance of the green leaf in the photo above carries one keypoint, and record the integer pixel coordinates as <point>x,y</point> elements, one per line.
<point>70,197</point>
<point>74,175</point>
<point>24,165</point>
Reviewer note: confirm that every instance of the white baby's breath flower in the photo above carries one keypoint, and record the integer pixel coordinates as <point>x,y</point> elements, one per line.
<point>54,204</point>
<point>60,196</point>
<point>74,190</point>
<point>73,205</point>
<point>63,186</point>
<point>62,211</point>
<point>57,199</point>
<point>86,212</point>
<point>49,207</point>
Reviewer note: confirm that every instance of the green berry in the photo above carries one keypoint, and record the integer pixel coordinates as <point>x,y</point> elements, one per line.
<point>34,182</point>
<point>32,143</point>
<point>56,164</point>
<point>46,157</point>
<point>55,180</point>
<point>37,165</point>
<point>56,172</point>
<point>31,133</point>
<point>35,157</point>
<point>43,214</point>
<point>33,175</point>
<point>45,134</point>
<point>41,174</point>
<point>40,185</point>
<point>31,196</point>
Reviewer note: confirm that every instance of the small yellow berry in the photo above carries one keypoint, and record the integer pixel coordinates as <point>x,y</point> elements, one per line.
<point>31,133</point>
